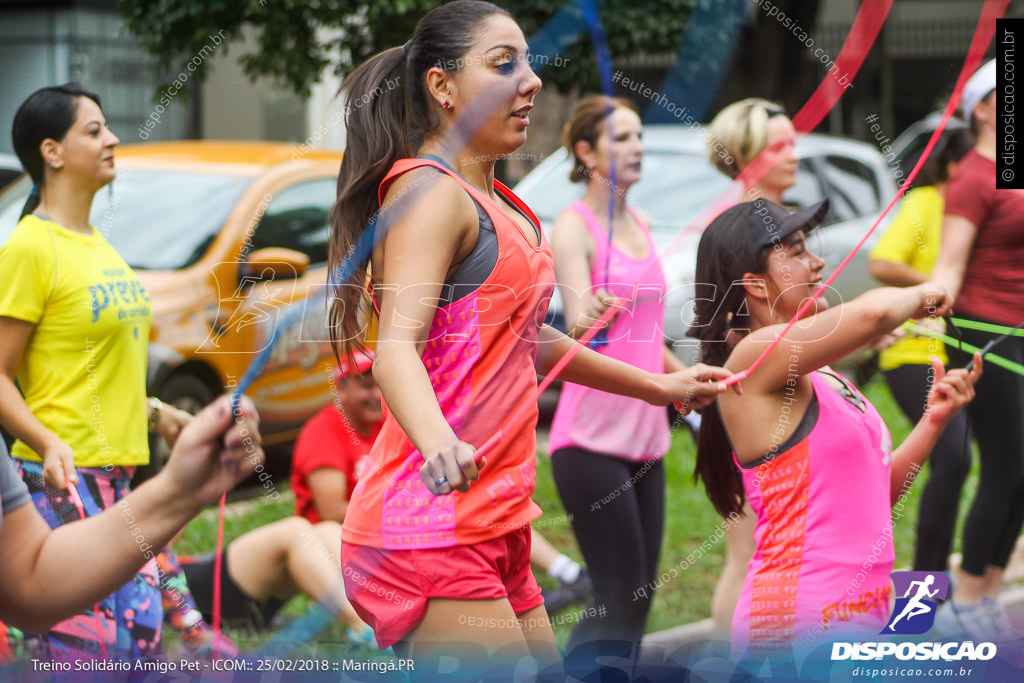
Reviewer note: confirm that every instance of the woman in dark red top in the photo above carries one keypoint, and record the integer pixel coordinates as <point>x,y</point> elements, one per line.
<point>980,263</point>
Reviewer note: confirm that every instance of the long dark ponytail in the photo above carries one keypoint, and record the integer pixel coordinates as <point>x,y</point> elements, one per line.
<point>953,145</point>
<point>388,115</point>
<point>48,113</point>
<point>725,253</point>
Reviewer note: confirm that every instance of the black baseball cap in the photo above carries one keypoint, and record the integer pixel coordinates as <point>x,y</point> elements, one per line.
<point>770,223</point>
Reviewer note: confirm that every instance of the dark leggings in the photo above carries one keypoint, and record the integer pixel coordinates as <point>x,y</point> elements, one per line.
<point>949,464</point>
<point>997,423</point>
<point>617,508</point>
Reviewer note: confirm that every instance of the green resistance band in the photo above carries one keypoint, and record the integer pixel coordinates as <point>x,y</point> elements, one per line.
<point>953,343</point>
<point>986,327</point>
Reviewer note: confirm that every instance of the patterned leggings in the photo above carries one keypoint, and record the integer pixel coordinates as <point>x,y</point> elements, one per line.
<point>125,625</point>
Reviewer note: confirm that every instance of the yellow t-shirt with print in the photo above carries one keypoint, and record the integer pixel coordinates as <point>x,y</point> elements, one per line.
<point>83,371</point>
<point>913,238</point>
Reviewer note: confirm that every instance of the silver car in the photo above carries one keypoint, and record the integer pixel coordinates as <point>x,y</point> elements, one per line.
<point>10,169</point>
<point>678,182</point>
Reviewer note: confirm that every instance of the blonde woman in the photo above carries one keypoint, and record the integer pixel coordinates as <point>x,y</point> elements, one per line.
<point>746,130</point>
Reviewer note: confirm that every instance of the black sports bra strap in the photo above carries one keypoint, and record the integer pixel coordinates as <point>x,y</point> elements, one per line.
<point>536,228</point>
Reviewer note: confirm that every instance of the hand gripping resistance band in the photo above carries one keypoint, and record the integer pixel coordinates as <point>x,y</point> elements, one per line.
<point>956,343</point>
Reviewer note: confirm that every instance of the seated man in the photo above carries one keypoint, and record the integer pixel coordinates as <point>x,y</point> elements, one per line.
<point>333,448</point>
<point>264,568</point>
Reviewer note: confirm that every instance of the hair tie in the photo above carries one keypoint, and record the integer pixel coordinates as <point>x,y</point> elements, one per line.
<point>405,48</point>
<point>34,192</point>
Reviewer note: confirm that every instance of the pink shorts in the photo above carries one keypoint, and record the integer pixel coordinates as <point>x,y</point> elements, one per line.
<point>389,589</point>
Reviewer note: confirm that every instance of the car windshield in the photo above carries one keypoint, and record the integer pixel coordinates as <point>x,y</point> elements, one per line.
<point>156,220</point>
<point>674,189</point>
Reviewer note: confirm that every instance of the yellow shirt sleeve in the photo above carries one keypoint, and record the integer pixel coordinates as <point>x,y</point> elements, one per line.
<point>906,233</point>
<point>913,238</point>
<point>26,271</point>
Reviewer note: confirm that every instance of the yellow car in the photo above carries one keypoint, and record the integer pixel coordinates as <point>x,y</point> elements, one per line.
<point>229,238</point>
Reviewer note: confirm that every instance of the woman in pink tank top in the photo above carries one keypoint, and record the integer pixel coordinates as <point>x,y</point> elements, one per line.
<point>807,450</point>
<point>752,139</point>
<point>606,449</point>
<point>436,544</point>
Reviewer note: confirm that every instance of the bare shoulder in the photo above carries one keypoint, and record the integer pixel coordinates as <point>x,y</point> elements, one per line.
<point>426,216</point>
<point>644,217</point>
<point>750,348</point>
<point>432,201</point>
<point>759,421</point>
<point>427,182</point>
<point>570,230</point>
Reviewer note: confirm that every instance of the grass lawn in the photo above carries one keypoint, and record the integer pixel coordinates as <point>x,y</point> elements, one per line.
<point>201,537</point>
<point>690,520</point>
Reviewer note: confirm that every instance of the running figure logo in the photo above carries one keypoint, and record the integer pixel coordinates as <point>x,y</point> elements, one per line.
<point>914,613</point>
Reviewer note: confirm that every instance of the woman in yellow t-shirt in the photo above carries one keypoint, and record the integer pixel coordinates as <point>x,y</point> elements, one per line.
<point>74,328</point>
<point>904,257</point>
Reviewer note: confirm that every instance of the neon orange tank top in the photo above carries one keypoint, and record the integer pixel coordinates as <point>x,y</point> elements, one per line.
<point>480,356</point>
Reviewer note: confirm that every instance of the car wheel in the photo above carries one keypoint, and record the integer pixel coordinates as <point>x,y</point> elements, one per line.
<point>185,392</point>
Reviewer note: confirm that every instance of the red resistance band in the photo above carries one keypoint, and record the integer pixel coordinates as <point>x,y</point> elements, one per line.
<point>992,10</point>
<point>218,560</point>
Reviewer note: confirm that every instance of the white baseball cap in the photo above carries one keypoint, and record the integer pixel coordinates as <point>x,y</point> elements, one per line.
<point>978,87</point>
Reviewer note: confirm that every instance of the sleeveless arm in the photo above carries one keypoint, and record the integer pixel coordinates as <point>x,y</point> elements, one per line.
<point>573,248</point>
<point>824,338</point>
<point>423,234</point>
<point>695,386</point>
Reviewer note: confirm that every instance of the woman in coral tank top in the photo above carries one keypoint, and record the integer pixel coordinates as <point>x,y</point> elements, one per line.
<point>435,544</point>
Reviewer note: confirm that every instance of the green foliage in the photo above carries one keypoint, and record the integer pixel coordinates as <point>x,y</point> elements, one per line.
<point>654,27</point>
<point>297,39</point>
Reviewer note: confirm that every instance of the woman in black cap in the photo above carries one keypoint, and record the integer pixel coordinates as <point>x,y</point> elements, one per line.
<point>750,133</point>
<point>804,446</point>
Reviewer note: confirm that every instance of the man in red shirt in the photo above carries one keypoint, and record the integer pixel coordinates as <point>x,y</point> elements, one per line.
<point>332,451</point>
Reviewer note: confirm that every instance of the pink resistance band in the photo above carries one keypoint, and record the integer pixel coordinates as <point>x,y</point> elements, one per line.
<point>862,36</point>
<point>218,560</point>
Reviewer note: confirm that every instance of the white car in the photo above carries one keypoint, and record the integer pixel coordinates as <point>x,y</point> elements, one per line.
<point>679,182</point>
<point>10,169</point>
